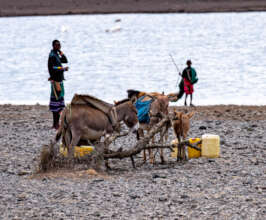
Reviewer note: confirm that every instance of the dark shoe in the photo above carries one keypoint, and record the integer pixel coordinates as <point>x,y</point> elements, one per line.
<point>56,126</point>
<point>192,105</point>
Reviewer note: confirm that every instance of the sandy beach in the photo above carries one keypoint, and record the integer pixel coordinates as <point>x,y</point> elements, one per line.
<point>63,7</point>
<point>229,187</point>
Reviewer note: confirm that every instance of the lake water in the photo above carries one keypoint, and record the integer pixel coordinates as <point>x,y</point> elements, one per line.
<point>228,51</point>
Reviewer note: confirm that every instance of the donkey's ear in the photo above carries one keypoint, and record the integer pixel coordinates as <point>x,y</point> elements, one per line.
<point>190,114</point>
<point>163,93</point>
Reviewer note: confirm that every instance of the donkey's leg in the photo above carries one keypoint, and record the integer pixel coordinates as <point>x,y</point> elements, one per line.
<point>66,138</point>
<point>144,156</point>
<point>184,156</point>
<point>162,133</point>
<point>179,148</point>
<point>162,156</point>
<point>152,157</point>
<point>106,163</point>
<point>163,139</point>
<point>140,134</point>
<point>75,139</point>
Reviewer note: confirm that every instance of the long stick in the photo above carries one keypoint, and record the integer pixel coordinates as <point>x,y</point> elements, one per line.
<point>174,63</point>
<point>175,66</point>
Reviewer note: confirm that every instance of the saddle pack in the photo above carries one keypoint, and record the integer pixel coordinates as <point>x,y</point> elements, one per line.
<point>143,108</point>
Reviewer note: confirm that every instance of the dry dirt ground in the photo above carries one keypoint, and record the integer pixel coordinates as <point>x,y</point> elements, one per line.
<point>52,7</point>
<point>229,187</point>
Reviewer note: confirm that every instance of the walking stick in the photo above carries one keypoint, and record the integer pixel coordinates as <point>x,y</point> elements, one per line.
<point>175,67</point>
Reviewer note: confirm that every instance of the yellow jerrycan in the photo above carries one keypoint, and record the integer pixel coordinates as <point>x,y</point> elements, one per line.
<point>192,153</point>
<point>210,146</point>
<point>79,151</point>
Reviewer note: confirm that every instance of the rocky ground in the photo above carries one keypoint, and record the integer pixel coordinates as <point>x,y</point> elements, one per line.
<point>230,187</point>
<point>62,7</point>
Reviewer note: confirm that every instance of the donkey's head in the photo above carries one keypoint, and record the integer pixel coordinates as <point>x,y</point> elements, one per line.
<point>181,123</point>
<point>127,113</point>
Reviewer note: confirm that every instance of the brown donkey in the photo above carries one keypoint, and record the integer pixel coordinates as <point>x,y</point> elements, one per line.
<point>158,109</point>
<point>84,121</point>
<point>181,126</point>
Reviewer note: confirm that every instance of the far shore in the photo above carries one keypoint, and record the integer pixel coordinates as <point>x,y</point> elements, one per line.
<point>63,7</point>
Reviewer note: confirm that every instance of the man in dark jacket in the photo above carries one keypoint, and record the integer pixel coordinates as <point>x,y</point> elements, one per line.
<point>56,71</point>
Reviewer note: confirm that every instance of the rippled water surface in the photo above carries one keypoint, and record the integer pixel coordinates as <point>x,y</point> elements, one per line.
<point>228,51</point>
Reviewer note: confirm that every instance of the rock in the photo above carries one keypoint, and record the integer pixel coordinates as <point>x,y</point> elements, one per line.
<point>21,197</point>
<point>222,142</point>
<point>23,172</point>
<point>156,175</point>
<point>92,172</point>
<point>116,194</point>
<point>97,214</point>
<point>247,182</point>
<point>134,196</point>
<point>184,196</point>
<point>98,180</point>
<point>163,199</point>
<point>202,127</point>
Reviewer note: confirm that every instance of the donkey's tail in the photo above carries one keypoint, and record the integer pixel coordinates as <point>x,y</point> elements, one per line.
<point>62,127</point>
<point>173,97</point>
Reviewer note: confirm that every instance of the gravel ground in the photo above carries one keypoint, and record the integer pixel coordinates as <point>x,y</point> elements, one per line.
<point>230,187</point>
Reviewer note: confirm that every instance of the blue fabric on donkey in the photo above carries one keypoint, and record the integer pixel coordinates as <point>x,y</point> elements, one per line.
<point>143,108</point>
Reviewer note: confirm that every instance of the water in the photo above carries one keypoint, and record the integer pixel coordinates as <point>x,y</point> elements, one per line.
<point>227,50</point>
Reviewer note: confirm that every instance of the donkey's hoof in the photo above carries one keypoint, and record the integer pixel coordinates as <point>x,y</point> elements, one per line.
<point>107,166</point>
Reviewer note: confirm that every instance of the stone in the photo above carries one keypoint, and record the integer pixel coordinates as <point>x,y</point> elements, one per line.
<point>202,127</point>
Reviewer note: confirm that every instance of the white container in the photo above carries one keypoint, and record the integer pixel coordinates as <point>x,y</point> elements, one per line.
<point>210,146</point>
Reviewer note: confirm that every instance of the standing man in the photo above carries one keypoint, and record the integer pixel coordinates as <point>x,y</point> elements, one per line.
<point>189,76</point>
<point>56,71</point>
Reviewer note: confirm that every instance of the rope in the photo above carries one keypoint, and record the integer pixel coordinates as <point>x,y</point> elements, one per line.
<point>54,90</point>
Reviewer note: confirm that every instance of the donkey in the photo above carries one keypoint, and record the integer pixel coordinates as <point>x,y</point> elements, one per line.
<point>84,121</point>
<point>158,109</point>
<point>181,125</point>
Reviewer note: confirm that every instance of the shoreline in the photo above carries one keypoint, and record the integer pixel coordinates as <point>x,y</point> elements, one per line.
<point>208,112</point>
<point>13,8</point>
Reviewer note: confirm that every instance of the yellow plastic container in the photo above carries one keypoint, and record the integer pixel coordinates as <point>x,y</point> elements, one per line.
<point>192,153</point>
<point>210,146</point>
<point>80,151</point>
